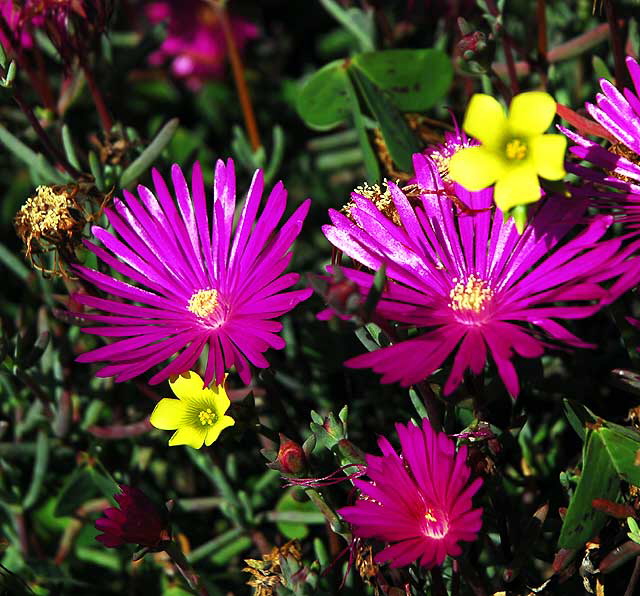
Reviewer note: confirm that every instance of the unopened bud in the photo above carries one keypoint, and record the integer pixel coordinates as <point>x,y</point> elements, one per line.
<point>291,458</point>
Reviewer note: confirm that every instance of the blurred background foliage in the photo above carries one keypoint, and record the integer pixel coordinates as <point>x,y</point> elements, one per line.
<point>342,92</point>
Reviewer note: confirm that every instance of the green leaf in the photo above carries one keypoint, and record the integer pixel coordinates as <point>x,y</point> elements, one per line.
<point>77,489</point>
<point>150,154</point>
<point>13,263</point>
<point>598,481</point>
<point>578,416</point>
<point>623,445</point>
<point>44,171</point>
<point>357,22</point>
<point>323,100</point>
<point>287,503</point>
<point>39,470</point>
<point>400,140</point>
<point>414,80</point>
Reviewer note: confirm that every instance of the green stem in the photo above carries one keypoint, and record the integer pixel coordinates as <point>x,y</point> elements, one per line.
<point>184,567</point>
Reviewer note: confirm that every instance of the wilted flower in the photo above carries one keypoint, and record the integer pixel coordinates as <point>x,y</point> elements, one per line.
<point>266,573</point>
<point>419,501</point>
<point>200,284</point>
<point>195,42</point>
<point>472,282</point>
<point>138,521</point>
<point>53,220</point>
<point>197,416</point>
<point>514,149</point>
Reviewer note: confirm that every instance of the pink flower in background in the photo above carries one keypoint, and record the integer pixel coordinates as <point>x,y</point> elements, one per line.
<point>201,284</point>
<point>420,501</point>
<point>471,283</point>
<point>616,166</point>
<point>11,14</point>
<point>137,521</point>
<point>195,43</point>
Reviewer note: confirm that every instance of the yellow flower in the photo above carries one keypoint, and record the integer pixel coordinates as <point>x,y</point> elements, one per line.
<point>198,414</point>
<point>514,150</point>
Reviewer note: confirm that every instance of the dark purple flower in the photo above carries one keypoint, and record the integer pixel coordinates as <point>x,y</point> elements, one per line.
<point>419,501</point>
<point>138,521</point>
<point>199,285</point>
<point>472,284</point>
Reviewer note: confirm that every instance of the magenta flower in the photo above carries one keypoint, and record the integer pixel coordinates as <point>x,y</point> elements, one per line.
<point>472,283</point>
<point>420,501</point>
<point>619,114</point>
<point>138,521</point>
<point>195,42</point>
<point>197,285</point>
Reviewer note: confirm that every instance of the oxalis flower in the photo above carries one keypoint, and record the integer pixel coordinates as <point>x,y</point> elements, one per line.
<point>197,416</point>
<point>198,285</point>
<point>514,150</point>
<point>617,166</point>
<point>419,501</point>
<point>472,283</point>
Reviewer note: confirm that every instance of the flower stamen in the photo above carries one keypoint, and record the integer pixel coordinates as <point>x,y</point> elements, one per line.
<point>207,417</point>
<point>203,302</point>
<point>516,150</point>
<point>470,296</point>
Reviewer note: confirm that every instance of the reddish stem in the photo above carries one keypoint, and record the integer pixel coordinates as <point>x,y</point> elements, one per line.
<point>616,36</point>
<point>238,76</point>
<point>98,99</point>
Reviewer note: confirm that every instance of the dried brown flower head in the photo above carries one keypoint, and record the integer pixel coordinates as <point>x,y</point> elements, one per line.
<point>52,221</point>
<point>266,572</point>
<point>380,198</point>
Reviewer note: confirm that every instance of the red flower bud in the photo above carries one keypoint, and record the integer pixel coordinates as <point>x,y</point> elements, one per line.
<point>291,458</point>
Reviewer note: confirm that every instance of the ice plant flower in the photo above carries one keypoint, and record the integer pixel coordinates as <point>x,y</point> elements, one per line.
<point>471,283</point>
<point>200,285</point>
<point>514,149</point>
<point>195,43</point>
<point>197,415</point>
<point>419,501</point>
<point>138,521</point>
<point>617,166</point>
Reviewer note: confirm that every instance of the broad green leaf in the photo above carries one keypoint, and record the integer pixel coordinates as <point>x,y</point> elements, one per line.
<point>623,445</point>
<point>323,100</point>
<point>287,503</point>
<point>400,140</point>
<point>598,480</point>
<point>415,80</point>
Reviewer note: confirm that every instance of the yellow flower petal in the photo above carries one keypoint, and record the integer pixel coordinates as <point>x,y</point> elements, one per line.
<point>486,121</point>
<point>187,385</point>
<point>220,401</point>
<point>518,187</point>
<point>547,155</point>
<point>188,435</point>
<point>213,432</point>
<point>531,113</point>
<point>476,168</point>
<point>168,414</point>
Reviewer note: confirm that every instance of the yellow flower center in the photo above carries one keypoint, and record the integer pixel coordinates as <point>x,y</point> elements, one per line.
<point>429,515</point>
<point>203,303</point>
<point>470,296</point>
<point>207,417</point>
<point>516,150</point>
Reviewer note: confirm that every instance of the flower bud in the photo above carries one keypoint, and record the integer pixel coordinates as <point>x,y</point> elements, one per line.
<point>291,458</point>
